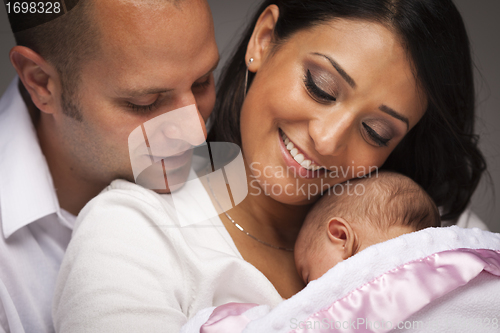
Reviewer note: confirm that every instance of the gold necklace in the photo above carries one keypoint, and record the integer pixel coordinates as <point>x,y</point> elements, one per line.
<point>241,228</point>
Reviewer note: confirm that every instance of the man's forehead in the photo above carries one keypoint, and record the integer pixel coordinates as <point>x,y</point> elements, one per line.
<point>126,29</point>
<point>166,47</point>
<point>139,3</point>
<point>149,19</point>
<point>150,7</point>
<point>111,12</point>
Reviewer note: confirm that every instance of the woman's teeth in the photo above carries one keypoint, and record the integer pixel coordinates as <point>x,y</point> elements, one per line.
<point>300,158</point>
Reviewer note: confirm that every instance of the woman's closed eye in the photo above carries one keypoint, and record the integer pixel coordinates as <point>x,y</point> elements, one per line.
<point>316,92</point>
<point>375,137</point>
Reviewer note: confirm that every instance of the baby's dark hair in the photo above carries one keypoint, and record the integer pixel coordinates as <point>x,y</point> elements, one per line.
<point>383,199</point>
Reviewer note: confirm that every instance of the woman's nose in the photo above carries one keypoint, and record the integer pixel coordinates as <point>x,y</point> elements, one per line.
<point>331,133</point>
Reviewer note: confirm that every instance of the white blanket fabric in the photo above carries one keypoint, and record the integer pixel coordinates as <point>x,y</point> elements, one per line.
<point>474,307</point>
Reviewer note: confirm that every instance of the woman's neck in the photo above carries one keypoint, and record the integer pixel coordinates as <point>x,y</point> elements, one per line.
<point>269,220</point>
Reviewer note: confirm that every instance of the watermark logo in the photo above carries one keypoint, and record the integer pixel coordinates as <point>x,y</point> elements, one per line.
<point>353,325</point>
<point>161,154</point>
<point>263,181</point>
<point>371,325</point>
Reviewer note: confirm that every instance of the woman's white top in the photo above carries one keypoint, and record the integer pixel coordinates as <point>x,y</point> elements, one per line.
<point>130,267</point>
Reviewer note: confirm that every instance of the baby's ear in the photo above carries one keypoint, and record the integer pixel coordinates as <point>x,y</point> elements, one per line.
<point>342,236</point>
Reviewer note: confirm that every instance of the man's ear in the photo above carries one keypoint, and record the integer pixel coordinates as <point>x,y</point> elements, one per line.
<point>258,46</point>
<point>342,235</point>
<point>37,75</point>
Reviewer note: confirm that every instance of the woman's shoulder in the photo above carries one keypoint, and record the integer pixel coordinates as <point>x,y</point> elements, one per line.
<point>128,255</point>
<point>125,212</point>
<point>122,191</point>
<point>122,260</point>
<point>124,201</point>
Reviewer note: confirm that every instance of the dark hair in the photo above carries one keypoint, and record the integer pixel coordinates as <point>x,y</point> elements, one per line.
<point>388,199</point>
<point>66,41</point>
<point>440,153</point>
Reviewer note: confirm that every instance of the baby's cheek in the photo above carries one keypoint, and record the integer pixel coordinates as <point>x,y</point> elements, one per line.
<point>322,264</point>
<point>302,262</point>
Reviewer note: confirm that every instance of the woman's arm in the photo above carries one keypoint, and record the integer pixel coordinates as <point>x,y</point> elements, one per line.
<point>121,272</point>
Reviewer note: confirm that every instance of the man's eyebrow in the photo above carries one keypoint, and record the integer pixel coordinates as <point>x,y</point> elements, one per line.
<point>339,69</point>
<point>399,116</point>
<point>153,91</point>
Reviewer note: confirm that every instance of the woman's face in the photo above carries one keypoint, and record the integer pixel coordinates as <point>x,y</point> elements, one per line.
<point>342,93</point>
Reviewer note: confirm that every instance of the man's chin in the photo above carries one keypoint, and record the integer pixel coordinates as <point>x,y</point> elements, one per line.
<point>162,191</point>
<point>171,188</point>
<point>156,179</point>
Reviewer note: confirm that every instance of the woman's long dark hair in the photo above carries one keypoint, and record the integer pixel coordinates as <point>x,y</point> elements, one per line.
<point>440,152</point>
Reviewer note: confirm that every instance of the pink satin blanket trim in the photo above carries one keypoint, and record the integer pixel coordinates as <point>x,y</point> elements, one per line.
<point>397,294</point>
<point>227,318</point>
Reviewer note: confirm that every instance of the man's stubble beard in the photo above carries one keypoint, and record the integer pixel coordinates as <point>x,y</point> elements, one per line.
<point>85,146</point>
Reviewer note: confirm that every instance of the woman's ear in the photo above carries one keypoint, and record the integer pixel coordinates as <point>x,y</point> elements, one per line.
<point>37,75</point>
<point>258,46</point>
<point>342,236</point>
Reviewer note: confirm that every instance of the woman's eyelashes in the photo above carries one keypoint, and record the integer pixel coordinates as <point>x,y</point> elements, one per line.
<point>318,83</point>
<point>375,137</point>
<point>315,91</point>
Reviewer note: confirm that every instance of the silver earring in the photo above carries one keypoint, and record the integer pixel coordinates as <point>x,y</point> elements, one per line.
<point>246,78</point>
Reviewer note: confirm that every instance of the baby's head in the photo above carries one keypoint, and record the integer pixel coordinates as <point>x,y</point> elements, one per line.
<point>339,226</point>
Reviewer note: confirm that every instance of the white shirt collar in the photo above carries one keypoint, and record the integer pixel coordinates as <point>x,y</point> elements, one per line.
<point>26,189</point>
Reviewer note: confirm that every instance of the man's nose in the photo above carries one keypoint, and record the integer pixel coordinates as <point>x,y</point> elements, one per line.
<point>185,124</point>
<point>331,132</point>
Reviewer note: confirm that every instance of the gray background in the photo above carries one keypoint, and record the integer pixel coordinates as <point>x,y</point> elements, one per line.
<point>481,19</point>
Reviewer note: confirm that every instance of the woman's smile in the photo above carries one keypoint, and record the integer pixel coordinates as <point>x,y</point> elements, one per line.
<point>296,158</point>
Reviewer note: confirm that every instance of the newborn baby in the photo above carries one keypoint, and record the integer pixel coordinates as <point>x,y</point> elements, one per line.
<point>339,226</point>
<point>354,216</point>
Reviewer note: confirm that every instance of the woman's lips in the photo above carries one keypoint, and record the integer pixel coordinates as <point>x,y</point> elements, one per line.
<point>298,155</point>
<point>297,159</point>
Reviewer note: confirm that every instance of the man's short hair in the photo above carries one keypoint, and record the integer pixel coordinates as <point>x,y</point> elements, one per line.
<point>67,42</point>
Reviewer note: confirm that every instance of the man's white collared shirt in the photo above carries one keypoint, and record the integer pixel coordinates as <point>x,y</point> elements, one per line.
<point>35,230</point>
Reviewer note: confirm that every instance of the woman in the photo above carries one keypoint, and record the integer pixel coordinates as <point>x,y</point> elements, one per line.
<point>334,90</point>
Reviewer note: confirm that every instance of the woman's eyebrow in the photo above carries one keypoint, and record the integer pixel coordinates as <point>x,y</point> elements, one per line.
<point>339,69</point>
<point>399,116</point>
<point>350,81</point>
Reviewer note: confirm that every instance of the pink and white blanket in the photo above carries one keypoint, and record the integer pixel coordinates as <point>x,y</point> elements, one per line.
<point>433,280</point>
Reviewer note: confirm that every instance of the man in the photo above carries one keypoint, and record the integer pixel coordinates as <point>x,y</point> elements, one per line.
<point>86,79</point>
